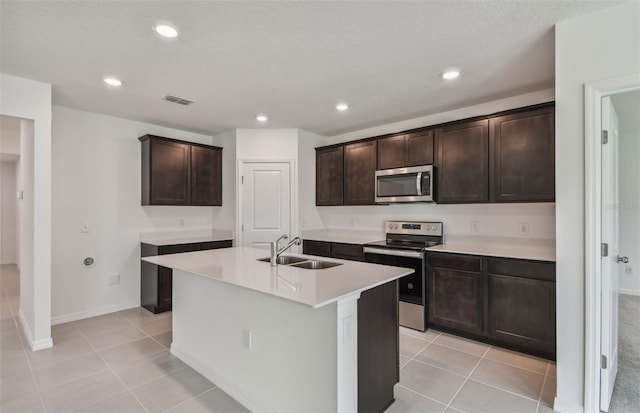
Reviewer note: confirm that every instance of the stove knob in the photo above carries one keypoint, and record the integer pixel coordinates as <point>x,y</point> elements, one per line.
<point>390,226</point>
<point>395,226</point>
<point>428,227</point>
<point>410,286</point>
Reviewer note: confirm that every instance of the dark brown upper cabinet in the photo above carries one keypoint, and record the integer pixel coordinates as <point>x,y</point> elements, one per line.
<point>410,149</point>
<point>359,173</point>
<point>329,176</point>
<point>522,157</point>
<point>462,162</point>
<point>206,176</point>
<point>180,173</point>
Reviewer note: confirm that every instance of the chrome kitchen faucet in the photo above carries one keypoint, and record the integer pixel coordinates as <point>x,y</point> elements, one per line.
<point>275,251</point>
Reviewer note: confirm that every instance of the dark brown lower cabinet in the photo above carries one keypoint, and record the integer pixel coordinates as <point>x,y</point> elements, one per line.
<point>522,303</point>
<point>340,250</point>
<point>378,347</point>
<point>156,282</point>
<point>502,301</point>
<point>456,292</point>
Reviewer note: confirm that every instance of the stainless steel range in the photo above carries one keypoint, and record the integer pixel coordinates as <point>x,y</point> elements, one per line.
<point>404,247</point>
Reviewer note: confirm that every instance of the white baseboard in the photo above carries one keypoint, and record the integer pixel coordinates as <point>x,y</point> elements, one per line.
<point>629,292</point>
<point>567,407</point>
<point>92,313</point>
<point>28,335</point>
<point>213,376</point>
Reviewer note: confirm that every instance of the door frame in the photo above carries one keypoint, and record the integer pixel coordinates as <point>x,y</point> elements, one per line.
<point>293,182</point>
<point>593,93</point>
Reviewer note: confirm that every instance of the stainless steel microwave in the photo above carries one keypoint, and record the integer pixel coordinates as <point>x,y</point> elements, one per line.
<point>412,184</point>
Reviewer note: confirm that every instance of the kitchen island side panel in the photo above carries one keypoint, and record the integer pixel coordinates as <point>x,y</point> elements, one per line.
<point>292,363</point>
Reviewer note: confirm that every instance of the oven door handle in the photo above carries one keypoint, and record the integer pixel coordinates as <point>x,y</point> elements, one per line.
<point>397,253</point>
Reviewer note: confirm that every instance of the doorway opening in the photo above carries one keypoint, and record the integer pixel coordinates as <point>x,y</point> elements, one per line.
<point>608,199</point>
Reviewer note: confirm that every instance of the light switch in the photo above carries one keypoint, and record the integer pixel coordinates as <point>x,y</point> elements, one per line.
<point>85,228</point>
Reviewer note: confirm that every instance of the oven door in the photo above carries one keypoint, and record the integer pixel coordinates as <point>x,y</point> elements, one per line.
<point>412,184</point>
<point>411,287</point>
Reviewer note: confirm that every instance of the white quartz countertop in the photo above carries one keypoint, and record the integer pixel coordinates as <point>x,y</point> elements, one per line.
<point>540,250</point>
<point>347,236</point>
<point>316,288</point>
<point>184,237</point>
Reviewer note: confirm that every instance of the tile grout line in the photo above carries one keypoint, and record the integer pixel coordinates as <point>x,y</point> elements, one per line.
<point>422,395</point>
<point>193,398</point>
<point>467,379</point>
<point>114,373</point>
<point>542,389</point>
<point>24,350</point>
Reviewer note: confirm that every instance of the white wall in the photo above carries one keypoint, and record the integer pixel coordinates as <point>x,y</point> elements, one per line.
<point>270,145</point>
<point>494,219</point>
<point>226,216</point>
<point>600,45</point>
<point>630,208</point>
<point>96,181</point>
<point>8,213</point>
<point>309,214</point>
<point>28,99</point>
<point>267,144</point>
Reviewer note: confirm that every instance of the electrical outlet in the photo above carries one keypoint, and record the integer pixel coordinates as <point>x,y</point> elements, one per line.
<point>114,279</point>
<point>475,226</point>
<point>628,269</point>
<point>84,228</point>
<point>523,227</point>
<point>246,338</point>
<point>181,222</point>
<point>352,222</point>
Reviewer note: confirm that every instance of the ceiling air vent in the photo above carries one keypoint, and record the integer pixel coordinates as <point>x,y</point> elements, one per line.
<point>179,101</point>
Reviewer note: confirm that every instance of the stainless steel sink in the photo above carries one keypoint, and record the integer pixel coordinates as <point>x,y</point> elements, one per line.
<point>284,259</point>
<point>316,265</point>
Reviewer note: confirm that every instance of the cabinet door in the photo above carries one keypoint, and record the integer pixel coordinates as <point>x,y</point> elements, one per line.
<point>329,176</point>
<point>391,152</point>
<point>419,148</point>
<point>463,162</point>
<point>319,248</point>
<point>214,245</point>
<point>169,173</point>
<point>456,299</point>
<point>165,292</point>
<point>206,176</point>
<point>360,173</point>
<point>523,156</point>
<point>343,251</point>
<point>522,312</point>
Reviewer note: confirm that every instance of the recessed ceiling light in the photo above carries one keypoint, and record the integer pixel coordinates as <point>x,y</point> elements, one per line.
<point>451,74</point>
<point>112,81</point>
<point>342,107</point>
<point>261,118</point>
<point>166,31</point>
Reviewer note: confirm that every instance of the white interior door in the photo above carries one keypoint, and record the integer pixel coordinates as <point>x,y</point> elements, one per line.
<point>610,225</point>
<point>265,203</point>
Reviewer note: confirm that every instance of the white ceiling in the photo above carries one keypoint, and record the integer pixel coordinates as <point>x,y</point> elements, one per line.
<point>292,61</point>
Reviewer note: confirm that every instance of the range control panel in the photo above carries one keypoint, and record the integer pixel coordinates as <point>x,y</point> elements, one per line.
<point>414,228</point>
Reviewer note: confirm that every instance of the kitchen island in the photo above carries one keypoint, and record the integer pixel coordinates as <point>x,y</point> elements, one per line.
<point>284,338</point>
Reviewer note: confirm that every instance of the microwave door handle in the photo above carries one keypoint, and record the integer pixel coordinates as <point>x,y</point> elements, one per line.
<point>419,183</point>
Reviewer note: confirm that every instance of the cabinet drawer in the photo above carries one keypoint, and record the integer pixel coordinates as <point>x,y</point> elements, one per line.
<point>213,245</point>
<point>537,270</point>
<point>319,248</point>
<point>455,261</point>
<point>175,249</point>
<point>347,251</point>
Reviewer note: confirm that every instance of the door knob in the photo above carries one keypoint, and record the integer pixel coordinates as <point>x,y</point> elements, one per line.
<point>620,259</point>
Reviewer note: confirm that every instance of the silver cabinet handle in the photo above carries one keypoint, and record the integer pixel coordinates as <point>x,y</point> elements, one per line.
<point>418,183</point>
<point>620,259</point>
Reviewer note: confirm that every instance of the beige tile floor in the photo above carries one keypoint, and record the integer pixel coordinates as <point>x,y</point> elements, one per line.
<point>120,363</point>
